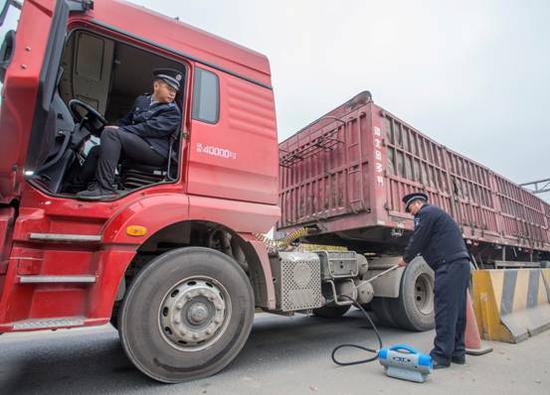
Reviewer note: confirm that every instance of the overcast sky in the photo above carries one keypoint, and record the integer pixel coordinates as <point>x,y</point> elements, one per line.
<point>475,75</point>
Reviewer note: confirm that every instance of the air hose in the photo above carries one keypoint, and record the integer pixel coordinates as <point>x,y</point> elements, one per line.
<point>355,346</point>
<point>380,343</point>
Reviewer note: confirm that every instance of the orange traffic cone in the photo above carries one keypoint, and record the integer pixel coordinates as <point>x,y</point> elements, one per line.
<point>471,336</point>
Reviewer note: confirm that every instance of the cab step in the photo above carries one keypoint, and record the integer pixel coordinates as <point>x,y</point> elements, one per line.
<point>64,238</point>
<point>37,279</point>
<point>48,323</point>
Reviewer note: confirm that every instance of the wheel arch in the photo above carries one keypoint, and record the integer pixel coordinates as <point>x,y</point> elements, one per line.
<point>244,248</point>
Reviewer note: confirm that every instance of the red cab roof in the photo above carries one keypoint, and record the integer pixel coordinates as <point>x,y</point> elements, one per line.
<point>195,43</point>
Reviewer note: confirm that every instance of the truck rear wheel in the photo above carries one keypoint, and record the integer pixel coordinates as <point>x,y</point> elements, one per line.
<point>331,311</point>
<point>186,315</point>
<point>414,309</point>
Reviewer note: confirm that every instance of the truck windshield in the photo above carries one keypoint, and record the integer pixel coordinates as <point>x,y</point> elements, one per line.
<point>9,18</point>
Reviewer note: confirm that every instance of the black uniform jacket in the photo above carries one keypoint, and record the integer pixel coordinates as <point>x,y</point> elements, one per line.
<point>436,237</point>
<point>155,123</point>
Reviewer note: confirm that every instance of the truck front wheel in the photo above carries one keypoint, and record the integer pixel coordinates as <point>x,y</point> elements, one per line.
<point>186,315</point>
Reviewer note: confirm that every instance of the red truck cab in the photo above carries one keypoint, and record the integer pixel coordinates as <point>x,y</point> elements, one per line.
<point>172,261</point>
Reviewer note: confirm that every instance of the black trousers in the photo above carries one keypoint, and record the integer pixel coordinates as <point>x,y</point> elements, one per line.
<point>116,144</point>
<point>451,284</point>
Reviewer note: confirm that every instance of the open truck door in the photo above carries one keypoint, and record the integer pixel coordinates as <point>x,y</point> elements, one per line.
<point>29,70</point>
<point>29,64</point>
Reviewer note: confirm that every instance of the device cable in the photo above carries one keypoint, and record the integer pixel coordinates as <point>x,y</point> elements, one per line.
<point>369,350</point>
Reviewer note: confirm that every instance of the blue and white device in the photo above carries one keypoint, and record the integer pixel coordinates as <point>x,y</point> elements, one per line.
<point>404,362</point>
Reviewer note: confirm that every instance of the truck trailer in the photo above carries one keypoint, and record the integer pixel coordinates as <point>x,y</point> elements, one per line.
<point>175,261</point>
<point>342,179</point>
<point>344,175</point>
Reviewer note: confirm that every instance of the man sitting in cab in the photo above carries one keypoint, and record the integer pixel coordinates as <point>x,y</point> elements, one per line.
<point>142,136</point>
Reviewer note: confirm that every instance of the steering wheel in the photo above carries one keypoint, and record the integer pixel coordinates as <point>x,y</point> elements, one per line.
<point>92,117</point>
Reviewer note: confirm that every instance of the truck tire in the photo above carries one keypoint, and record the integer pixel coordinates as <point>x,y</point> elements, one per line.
<point>414,309</point>
<point>331,311</point>
<point>383,309</point>
<point>186,315</point>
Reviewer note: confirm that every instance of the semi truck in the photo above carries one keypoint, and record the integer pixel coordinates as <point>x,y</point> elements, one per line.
<point>176,260</point>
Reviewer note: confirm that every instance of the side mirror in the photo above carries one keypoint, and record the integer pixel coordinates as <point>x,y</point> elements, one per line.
<point>6,53</point>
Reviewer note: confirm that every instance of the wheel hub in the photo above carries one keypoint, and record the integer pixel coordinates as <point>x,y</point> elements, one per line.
<point>197,313</point>
<point>193,314</point>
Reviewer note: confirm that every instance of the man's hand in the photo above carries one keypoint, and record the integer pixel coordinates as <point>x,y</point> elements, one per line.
<point>402,263</point>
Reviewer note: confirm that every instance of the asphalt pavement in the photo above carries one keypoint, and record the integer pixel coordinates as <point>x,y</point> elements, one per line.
<point>284,355</point>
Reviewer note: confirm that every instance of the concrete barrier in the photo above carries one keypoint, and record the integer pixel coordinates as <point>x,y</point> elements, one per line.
<point>511,304</point>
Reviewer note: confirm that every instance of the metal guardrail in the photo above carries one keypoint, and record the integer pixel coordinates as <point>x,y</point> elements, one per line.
<point>540,186</point>
<point>516,264</point>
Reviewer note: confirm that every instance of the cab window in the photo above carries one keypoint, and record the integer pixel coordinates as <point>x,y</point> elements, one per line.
<point>206,96</point>
<point>98,83</point>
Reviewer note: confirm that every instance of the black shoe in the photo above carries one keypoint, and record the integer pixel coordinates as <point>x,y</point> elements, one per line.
<point>95,193</point>
<point>91,186</point>
<point>437,364</point>
<point>461,360</point>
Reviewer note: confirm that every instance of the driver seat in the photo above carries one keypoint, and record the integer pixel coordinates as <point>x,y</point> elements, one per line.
<point>135,175</point>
